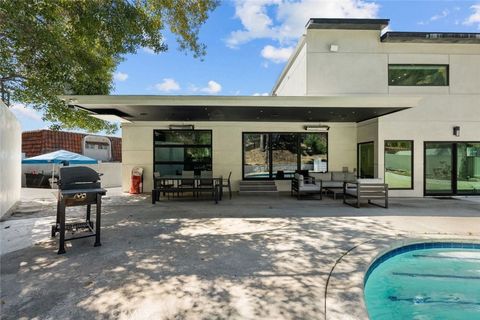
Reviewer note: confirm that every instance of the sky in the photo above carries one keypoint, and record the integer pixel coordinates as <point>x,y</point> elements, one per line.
<point>249,41</point>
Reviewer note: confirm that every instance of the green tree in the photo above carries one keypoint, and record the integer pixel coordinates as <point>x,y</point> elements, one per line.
<point>54,47</point>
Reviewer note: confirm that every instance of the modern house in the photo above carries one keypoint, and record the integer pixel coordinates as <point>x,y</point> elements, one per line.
<point>403,106</point>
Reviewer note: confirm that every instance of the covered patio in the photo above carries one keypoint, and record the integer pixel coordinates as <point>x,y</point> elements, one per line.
<point>227,131</point>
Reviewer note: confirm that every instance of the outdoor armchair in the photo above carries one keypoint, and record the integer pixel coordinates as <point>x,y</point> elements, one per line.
<point>366,189</point>
<point>305,185</point>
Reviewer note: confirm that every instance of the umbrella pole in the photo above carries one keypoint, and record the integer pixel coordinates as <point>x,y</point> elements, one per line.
<point>53,174</point>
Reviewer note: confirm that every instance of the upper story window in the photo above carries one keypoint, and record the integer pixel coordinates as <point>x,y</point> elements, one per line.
<point>417,75</point>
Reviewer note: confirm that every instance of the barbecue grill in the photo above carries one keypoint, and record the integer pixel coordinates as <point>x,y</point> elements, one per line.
<point>78,186</point>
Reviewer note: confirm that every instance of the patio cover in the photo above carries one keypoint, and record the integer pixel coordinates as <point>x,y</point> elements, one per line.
<point>347,108</point>
<point>59,157</point>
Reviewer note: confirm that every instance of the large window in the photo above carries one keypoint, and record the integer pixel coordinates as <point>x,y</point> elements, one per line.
<point>399,164</point>
<point>417,75</point>
<point>177,150</point>
<point>277,155</point>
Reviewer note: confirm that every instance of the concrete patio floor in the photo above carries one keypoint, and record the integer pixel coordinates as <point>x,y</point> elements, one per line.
<point>245,258</point>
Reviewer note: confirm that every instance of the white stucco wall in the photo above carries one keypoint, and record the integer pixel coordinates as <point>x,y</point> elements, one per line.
<point>10,160</point>
<point>294,82</point>
<point>137,146</point>
<point>361,67</point>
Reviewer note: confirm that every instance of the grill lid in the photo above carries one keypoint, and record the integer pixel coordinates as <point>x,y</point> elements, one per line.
<point>78,178</point>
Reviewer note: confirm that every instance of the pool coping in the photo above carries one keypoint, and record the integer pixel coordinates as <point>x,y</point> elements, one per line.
<point>344,294</point>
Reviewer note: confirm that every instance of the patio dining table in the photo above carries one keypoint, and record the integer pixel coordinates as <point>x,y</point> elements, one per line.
<point>194,184</point>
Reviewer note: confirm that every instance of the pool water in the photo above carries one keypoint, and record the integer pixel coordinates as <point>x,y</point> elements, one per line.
<point>425,284</point>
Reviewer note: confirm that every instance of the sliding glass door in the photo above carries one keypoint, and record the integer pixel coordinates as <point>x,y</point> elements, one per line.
<point>365,158</point>
<point>452,168</point>
<point>438,168</point>
<point>468,168</point>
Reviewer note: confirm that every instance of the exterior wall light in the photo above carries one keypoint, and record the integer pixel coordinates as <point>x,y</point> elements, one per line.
<point>456,131</point>
<point>334,48</point>
<point>181,127</point>
<point>317,128</point>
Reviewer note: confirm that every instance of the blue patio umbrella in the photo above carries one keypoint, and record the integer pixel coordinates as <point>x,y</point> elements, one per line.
<point>61,156</point>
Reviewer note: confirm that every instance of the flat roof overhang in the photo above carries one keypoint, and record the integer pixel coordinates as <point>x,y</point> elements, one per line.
<point>347,23</point>
<point>133,108</point>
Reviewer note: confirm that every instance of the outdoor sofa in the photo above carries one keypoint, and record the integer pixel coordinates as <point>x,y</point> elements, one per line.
<point>366,189</point>
<point>333,179</point>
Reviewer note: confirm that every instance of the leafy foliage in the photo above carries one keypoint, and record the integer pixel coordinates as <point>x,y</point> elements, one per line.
<point>54,47</point>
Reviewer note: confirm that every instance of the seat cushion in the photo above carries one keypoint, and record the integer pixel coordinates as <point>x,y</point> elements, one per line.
<point>310,187</point>
<point>350,177</point>
<point>351,191</point>
<point>367,181</point>
<point>300,179</point>
<point>338,176</point>
<point>324,176</point>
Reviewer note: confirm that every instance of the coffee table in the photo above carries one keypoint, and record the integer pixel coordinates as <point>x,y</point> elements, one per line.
<point>334,192</point>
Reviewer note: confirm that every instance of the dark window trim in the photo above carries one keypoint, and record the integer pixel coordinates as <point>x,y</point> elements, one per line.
<point>453,144</point>
<point>270,158</point>
<point>358,156</point>
<point>419,65</point>
<point>183,146</point>
<point>412,163</point>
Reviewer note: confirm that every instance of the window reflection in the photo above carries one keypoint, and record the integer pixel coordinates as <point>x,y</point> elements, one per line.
<point>278,155</point>
<point>178,150</point>
<point>398,164</point>
<point>468,168</point>
<point>417,75</point>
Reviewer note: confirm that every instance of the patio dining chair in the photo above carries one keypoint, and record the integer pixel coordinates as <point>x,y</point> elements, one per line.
<point>228,184</point>
<point>187,183</point>
<point>162,185</point>
<point>205,183</point>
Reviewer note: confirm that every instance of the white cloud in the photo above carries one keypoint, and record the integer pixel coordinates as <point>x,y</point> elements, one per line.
<point>167,85</point>
<point>120,76</point>
<point>148,50</point>
<point>475,17</point>
<point>441,15</point>
<point>284,20</point>
<point>260,94</point>
<point>20,110</point>
<point>213,87</point>
<point>276,55</point>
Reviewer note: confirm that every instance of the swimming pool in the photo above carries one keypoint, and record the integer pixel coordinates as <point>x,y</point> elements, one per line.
<point>425,281</point>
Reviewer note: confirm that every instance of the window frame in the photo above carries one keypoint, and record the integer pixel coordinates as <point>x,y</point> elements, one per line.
<point>270,157</point>
<point>447,66</point>
<point>182,146</point>
<point>358,158</point>
<point>412,161</point>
